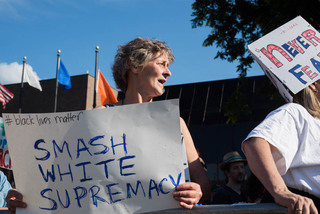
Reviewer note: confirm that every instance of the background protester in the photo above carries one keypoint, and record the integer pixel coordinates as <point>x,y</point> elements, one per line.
<point>233,191</point>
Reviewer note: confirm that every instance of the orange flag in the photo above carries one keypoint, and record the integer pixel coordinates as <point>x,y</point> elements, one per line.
<point>105,91</point>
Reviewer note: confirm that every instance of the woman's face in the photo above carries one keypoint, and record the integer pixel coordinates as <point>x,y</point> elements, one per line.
<point>153,75</point>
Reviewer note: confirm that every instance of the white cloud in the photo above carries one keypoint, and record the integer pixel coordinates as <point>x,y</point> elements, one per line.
<point>12,73</point>
<point>9,7</point>
<point>21,9</point>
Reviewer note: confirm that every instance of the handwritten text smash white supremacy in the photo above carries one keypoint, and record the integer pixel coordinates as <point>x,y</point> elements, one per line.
<point>291,49</point>
<point>115,155</point>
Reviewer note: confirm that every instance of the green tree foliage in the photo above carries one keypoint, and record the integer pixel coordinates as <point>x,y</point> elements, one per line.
<point>237,23</point>
<point>236,106</point>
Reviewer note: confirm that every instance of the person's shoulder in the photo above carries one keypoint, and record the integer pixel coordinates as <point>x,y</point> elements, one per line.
<point>221,196</point>
<point>222,189</point>
<point>295,110</point>
<point>292,108</point>
<point>295,113</point>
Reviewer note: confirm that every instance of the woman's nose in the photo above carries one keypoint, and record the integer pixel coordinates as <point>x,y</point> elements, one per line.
<point>167,72</point>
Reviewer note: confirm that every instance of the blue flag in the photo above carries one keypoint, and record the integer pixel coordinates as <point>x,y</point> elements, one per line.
<point>63,77</point>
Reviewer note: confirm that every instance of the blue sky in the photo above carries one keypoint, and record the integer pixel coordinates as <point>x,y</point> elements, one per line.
<point>38,28</point>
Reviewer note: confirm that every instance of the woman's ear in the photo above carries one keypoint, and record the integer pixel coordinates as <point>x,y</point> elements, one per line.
<point>313,87</point>
<point>132,68</point>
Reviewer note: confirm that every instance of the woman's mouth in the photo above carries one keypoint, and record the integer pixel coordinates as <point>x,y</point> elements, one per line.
<point>162,81</point>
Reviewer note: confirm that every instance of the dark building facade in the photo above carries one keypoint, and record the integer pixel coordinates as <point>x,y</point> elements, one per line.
<point>204,106</point>
<point>79,97</point>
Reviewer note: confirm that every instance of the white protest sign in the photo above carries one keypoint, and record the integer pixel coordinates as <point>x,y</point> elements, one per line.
<point>126,159</point>
<point>5,161</point>
<point>289,55</point>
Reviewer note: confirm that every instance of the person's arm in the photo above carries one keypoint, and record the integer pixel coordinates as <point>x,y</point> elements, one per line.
<point>259,156</point>
<point>199,189</point>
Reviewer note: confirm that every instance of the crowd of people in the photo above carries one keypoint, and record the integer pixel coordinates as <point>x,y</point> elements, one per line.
<point>282,152</point>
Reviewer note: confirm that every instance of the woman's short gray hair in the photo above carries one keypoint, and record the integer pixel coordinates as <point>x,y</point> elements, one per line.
<point>136,54</point>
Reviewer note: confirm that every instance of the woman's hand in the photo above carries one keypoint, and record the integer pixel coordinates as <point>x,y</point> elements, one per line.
<point>14,200</point>
<point>188,194</point>
<point>295,203</point>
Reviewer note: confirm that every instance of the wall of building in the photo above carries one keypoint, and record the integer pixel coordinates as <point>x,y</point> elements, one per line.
<point>202,105</point>
<point>79,97</point>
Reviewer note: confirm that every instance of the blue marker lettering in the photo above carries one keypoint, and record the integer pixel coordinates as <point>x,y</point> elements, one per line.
<point>129,187</point>
<point>54,203</point>
<point>94,196</point>
<point>83,164</point>
<point>153,185</point>
<point>49,174</point>
<point>175,184</point>
<point>297,75</point>
<point>36,146</point>
<point>160,186</point>
<point>66,173</point>
<point>302,42</point>
<point>123,144</point>
<point>105,166</point>
<point>65,144</point>
<point>111,194</point>
<point>85,148</point>
<point>67,199</point>
<point>290,49</point>
<point>127,166</point>
<point>91,142</point>
<point>83,193</point>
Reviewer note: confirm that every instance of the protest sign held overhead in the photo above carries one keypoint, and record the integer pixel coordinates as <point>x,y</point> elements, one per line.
<point>126,159</point>
<point>290,56</point>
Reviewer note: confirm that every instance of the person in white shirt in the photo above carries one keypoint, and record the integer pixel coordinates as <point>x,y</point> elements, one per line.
<point>284,152</point>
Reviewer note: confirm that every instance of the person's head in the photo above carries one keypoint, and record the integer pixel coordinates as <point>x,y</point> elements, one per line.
<point>135,55</point>
<point>233,166</point>
<point>309,98</point>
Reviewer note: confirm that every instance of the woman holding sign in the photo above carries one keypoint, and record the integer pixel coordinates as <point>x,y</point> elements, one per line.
<point>140,71</point>
<point>283,152</point>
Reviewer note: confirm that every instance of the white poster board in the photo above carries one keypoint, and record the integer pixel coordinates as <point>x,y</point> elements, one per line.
<point>289,55</point>
<point>5,161</point>
<point>125,159</point>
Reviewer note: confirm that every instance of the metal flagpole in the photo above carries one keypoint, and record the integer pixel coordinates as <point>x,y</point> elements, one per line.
<point>95,78</point>
<point>21,88</point>
<point>57,84</point>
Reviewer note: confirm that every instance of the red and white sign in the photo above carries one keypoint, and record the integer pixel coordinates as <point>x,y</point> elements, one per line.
<point>290,56</point>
